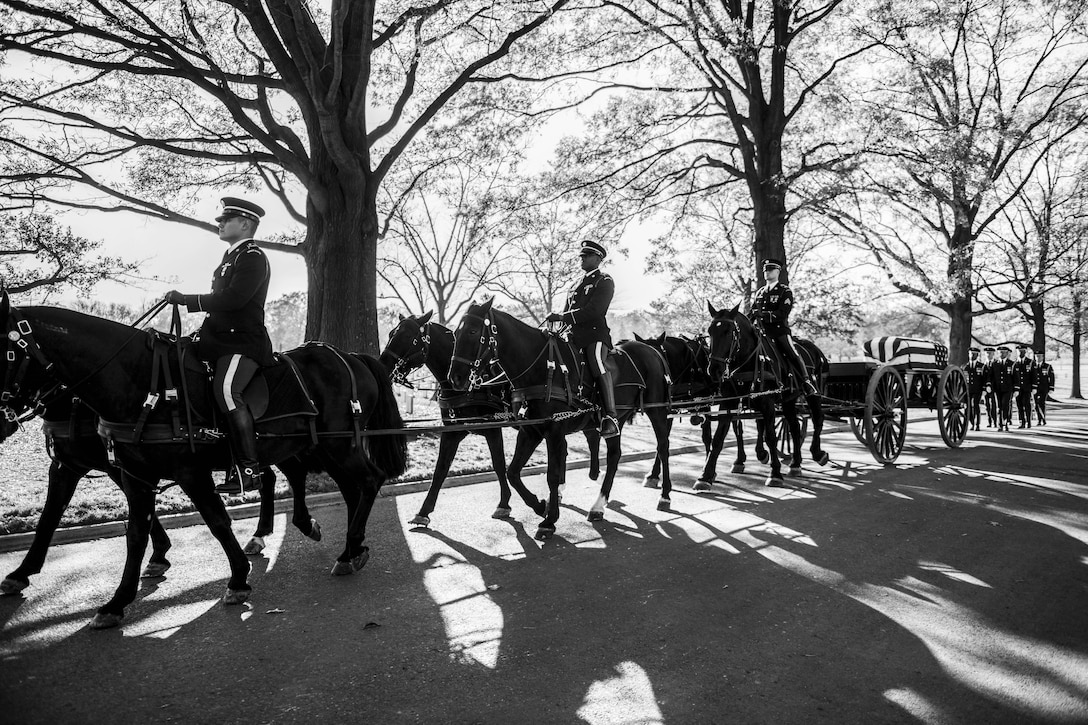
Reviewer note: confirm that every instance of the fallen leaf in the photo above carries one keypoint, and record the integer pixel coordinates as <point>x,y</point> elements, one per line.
<point>371,625</point>
<point>275,611</point>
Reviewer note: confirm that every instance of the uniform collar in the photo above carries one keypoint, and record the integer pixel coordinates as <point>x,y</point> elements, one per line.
<point>234,247</point>
<point>591,273</point>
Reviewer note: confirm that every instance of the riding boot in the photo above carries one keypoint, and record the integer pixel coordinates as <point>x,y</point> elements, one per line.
<point>800,373</point>
<point>609,425</point>
<point>243,443</point>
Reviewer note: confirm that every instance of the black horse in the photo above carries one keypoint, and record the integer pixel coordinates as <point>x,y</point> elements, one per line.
<point>416,342</point>
<point>688,359</point>
<point>76,449</point>
<point>545,373</point>
<point>750,371</point>
<point>110,366</point>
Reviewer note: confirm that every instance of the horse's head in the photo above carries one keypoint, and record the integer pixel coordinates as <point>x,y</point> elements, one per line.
<point>733,342</point>
<point>408,346</point>
<point>23,374</point>
<point>474,339</point>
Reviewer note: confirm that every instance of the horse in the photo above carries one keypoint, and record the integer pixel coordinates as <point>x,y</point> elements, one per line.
<point>111,367</point>
<point>545,373</point>
<point>750,369</point>
<point>416,342</point>
<point>688,359</point>
<point>76,449</point>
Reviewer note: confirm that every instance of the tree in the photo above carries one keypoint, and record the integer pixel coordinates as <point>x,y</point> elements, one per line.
<point>37,254</point>
<point>716,94</point>
<point>150,104</point>
<point>970,97</point>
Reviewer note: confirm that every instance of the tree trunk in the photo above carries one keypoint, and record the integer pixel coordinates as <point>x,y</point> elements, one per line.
<point>960,262</point>
<point>960,319</point>
<point>342,247</point>
<point>769,223</point>
<point>1038,317</point>
<point>1077,311</point>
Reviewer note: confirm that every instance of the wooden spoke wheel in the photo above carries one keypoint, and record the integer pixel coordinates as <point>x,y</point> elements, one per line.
<point>885,414</point>
<point>952,405</point>
<point>782,436</point>
<point>857,426</point>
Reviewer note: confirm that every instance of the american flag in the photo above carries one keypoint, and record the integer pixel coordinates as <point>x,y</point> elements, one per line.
<point>907,352</point>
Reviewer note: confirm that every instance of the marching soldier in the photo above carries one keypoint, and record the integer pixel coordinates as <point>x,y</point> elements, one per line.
<point>976,381</point>
<point>990,397</point>
<point>233,337</point>
<point>1003,383</point>
<point>1024,371</point>
<point>771,307</point>
<point>1045,377</point>
<point>586,308</point>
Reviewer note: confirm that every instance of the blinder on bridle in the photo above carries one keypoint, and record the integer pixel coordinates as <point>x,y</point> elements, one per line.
<point>20,336</point>
<point>731,351</point>
<point>415,358</point>
<point>485,345</point>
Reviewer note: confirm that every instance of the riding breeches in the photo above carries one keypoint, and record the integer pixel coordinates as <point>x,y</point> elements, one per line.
<point>595,353</point>
<point>789,353</point>
<point>232,375</point>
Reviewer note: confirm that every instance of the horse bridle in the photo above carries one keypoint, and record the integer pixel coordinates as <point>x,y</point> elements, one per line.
<point>421,346</point>
<point>21,336</point>
<point>734,346</point>
<point>487,343</point>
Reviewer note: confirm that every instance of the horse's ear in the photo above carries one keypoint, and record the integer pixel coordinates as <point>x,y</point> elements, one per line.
<point>736,308</point>
<point>660,339</point>
<point>401,317</point>
<point>638,338</point>
<point>488,302</point>
<point>710,307</point>
<point>426,318</point>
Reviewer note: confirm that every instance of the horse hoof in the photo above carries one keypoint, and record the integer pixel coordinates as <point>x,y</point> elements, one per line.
<point>423,521</point>
<point>540,508</point>
<point>762,457</point>
<point>315,530</point>
<point>502,512</point>
<point>155,569</point>
<point>236,596</point>
<point>651,482</point>
<point>105,621</point>
<point>255,546</point>
<point>342,568</point>
<point>595,516</point>
<point>823,459</point>
<point>360,559</point>
<point>795,470</point>
<point>663,504</point>
<point>702,485</point>
<point>775,481</point>
<point>543,533</point>
<point>12,586</point>
<point>737,468</point>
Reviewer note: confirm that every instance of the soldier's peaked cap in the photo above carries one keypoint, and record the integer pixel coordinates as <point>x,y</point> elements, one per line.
<point>1022,347</point>
<point>772,264</point>
<point>591,247</point>
<point>989,349</point>
<point>1004,348</point>
<point>973,349</point>
<point>234,206</point>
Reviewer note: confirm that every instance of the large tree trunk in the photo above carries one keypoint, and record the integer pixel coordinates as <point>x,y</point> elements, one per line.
<point>960,313</point>
<point>1078,308</point>
<point>960,325</point>
<point>769,223</point>
<point>342,242</point>
<point>1038,317</point>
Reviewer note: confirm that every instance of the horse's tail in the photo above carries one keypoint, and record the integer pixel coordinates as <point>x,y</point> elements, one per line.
<point>389,451</point>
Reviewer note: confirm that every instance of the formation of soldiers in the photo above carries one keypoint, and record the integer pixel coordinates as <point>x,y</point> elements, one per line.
<point>1027,380</point>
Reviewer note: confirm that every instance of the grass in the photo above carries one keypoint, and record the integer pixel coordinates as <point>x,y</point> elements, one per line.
<point>97,499</point>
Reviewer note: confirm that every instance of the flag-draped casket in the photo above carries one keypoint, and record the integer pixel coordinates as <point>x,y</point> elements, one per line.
<point>907,352</point>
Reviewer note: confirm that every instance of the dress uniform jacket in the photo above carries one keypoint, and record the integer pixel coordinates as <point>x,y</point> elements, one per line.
<point>587,305</point>
<point>1002,376</point>
<point>1045,375</point>
<point>772,305</point>
<point>235,307</point>
<point>1024,374</point>
<point>976,377</point>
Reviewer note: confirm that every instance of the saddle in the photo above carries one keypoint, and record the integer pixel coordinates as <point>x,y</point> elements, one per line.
<point>559,386</point>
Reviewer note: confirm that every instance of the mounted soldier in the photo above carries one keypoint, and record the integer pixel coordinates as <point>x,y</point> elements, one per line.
<point>1003,382</point>
<point>585,312</point>
<point>991,398</point>
<point>1026,380</point>
<point>233,337</point>
<point>1044,374</point>
<point>976,382</point>
<point>771,309</point>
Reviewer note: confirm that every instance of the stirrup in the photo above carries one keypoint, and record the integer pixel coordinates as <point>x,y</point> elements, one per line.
<point>609,427</point>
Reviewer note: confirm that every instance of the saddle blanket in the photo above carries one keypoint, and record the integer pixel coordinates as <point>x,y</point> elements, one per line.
<point>907,351</point>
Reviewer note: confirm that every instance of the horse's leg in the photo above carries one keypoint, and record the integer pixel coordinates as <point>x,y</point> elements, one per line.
<point>761,440</point>
<point>710,466</point>
<point>266,515</point>
<point>738,433</point>
<point>793,427</point>
<point>816,415</point>
<point>141,508</point>
<point>707,436</point>
<point>356,468</point>
<point>612,464</point>
<point>557,472</point>
<point>337,457</point>
<point>527,441</point>
<point>198,485</point>
<point>766,405</point>
<point>62,485</point>
<point>295,469</point>
<point>593,443</point>
<point>653,478</point>
<point>493,436</point>
<point>662,425</point>
<point>157,564</point>
<point>448,443</point>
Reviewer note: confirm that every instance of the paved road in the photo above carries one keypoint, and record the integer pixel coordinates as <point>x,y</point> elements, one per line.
<point>951,588</point>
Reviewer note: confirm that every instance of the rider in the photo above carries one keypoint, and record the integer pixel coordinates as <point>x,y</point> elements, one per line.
<point>585,313</point>
<point>771,307</point>
<point>233,337</point>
